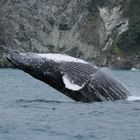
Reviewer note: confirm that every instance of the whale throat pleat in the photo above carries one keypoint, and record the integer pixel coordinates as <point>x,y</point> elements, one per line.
<point>102,87</point>
<point>78,73</point>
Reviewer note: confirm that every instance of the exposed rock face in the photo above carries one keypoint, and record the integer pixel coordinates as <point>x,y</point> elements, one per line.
<point>82,28</point>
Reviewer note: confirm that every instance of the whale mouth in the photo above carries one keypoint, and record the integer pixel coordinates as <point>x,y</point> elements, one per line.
<point>17,59</point>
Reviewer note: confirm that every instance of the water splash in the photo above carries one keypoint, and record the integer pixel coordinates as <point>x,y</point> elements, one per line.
<point>134,69</point>
<point>133,98</point>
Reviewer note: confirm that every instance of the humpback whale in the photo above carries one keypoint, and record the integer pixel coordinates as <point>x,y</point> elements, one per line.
<point>74,77</point>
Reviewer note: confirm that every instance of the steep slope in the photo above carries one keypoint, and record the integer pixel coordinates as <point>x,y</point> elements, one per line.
<point>94,30</point>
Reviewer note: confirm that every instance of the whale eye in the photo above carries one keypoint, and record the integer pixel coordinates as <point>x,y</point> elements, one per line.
<point>47,72</point>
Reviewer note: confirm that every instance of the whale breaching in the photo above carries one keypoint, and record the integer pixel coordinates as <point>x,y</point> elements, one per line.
<point>75,78</point>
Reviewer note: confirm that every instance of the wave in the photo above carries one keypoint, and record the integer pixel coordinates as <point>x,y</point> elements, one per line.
<point>40,100</point>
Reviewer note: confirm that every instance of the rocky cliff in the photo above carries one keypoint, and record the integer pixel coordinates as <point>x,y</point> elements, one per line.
<point>105,32</point>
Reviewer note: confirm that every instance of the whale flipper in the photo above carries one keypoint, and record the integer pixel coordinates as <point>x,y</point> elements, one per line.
<point>100,86</point>
<point>76,78</point>
<point>77,72</point>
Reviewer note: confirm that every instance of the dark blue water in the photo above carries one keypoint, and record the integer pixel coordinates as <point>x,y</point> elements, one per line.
<point>31,110</point>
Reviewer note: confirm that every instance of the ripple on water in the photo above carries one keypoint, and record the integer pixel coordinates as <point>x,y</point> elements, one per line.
<point>30,109</point>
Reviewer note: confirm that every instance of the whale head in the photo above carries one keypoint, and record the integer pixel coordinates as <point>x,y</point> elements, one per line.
<point>49,68</point>
<point>37,65</point>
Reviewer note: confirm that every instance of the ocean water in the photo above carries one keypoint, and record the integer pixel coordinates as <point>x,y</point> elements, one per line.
<point>31,110</point>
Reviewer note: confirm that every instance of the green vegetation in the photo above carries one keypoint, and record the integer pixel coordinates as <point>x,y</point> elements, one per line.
<point>93,5</point>
<point>60,49</point>
<point>51,22</point>
<point>64,27</point>
<point>129,41</point>
<point>51,47</point>
<point>75,52</point>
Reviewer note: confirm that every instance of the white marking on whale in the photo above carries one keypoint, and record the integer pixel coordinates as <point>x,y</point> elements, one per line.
<point>56,57</point>
<point>70,84</point>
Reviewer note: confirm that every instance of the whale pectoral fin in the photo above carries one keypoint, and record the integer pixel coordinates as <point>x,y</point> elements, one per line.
<point>71,83</point>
